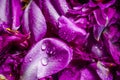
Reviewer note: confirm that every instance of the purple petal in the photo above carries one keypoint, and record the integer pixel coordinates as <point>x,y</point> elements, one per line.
<point>100,17</point>
<point>37,22</point>
<point>112,39</point>
<point>106,5</point>
<point>4,10</point>
<point>16,14</point>
<point>101,3</point>
<point>34,22</point>
<point>69,74</point>
<point>50,13</point>
<point>61,6</point>
<point>97,30</point>
<point>103,72</point>
<point>47,57</point>
<point>87,74</point>
<point>5,13</point>
<point>115,53</point>
<point>39,3</point>
<point>25,21</point>
<point>68,30</point>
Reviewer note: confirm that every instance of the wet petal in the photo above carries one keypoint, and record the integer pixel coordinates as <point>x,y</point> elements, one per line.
<point>69,31</point>
<point>47,57</point>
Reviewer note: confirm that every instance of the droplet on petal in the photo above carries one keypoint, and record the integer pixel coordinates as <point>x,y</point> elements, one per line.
<point>43,47</point>
<point>44,61</point>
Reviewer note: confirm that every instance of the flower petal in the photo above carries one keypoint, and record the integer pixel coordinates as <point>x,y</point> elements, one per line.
<point>16,14</point>
<point>68,30</point>
<point>47,57</point>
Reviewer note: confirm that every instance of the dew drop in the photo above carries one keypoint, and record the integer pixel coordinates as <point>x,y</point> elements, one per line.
<point>30,59</point>
<point>52,52</point>
<point>64,33</point>
<point>43,47</point>
<point>84,9</point>
<point>59,60</point>
<point>44,61</point>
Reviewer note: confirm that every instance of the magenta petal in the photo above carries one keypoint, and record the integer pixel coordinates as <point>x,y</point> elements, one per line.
<point>5,14</point>
<point>37,22</point>
<point>34,22</point>
<point>97,30</point>
<point>69,74</point>
<point>115,53</point>
<point>25,20</point>
<point>106,5</point>
<point>101,19</point>
<point>103,72</point>
<point>16,13</point>
<point>39,3</point>
<point>47,57</point>
<point>50,13</point>
<point>110,12</point>
<point>68,30</point>
<point>112,42</point>
<point>61,6</point>
<point>87,74</point>
<point>101,3</point>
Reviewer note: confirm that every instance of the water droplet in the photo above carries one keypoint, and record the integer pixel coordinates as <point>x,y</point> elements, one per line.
<point>43,47</point>
<point>52,52</point>
<point>44,61</point>
<point>59,60</point>
<point>64,33</point>
<point>30,59</point>
<point>84,9</point>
